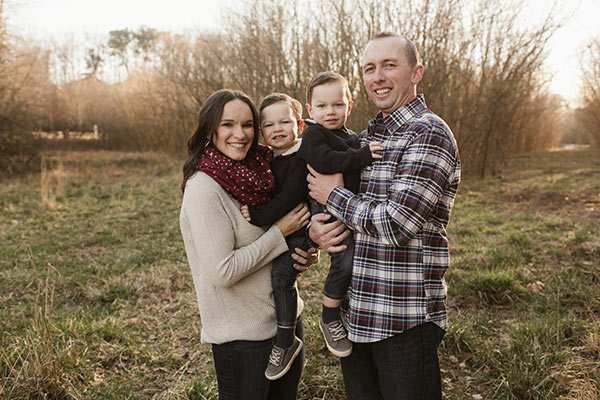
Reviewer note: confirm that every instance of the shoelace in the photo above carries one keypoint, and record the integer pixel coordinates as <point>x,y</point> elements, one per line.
<point>275,356</point>
<point>336,330</point>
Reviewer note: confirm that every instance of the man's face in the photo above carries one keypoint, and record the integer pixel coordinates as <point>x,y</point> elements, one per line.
<point>389,79</point>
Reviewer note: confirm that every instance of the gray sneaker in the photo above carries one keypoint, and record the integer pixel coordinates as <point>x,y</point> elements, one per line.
<point>336,338</point>
<point>280,360</point>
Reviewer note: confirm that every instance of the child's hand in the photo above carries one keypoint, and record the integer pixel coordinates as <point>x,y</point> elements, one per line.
<point>245,212</point>
<point>375,146</point>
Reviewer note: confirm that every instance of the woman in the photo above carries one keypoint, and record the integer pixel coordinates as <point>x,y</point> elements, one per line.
<point>231,259</point>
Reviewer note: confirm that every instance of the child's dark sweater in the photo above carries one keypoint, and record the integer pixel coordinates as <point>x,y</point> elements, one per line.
<point>290,189</point>
<point>331,151</point>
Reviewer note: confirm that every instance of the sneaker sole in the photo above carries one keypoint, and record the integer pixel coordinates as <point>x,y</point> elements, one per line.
<point>333,351</point>
<point>285,370</point>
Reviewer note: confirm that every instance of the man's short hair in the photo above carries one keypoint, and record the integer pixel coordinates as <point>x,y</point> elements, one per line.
<point>410,50</point>
<point>323,78</point>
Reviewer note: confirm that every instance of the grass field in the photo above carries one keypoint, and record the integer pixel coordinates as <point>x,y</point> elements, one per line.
<point>97,301</point>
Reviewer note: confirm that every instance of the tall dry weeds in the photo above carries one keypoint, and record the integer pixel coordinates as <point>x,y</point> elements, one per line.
<point>53,177</point>
<point>32,364</point>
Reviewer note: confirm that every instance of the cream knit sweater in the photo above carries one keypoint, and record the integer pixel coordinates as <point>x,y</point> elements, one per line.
<point>230,261</point>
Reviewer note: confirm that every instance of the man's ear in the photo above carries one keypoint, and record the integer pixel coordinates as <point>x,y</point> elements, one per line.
<point>417,74</point>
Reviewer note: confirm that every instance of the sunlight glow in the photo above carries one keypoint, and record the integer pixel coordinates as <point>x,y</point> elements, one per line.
<point>48,18</point>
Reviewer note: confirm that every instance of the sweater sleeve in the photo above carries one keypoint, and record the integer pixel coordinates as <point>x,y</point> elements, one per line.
<point>293,191</point>
<point>317,152</point>
<point>209,238</point>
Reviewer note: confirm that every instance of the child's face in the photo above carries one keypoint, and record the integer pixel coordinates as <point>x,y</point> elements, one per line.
<point>279,126</point>
<point>329,105</point>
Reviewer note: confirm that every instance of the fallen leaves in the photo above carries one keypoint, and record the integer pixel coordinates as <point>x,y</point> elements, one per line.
<point>465,357</point>
<point>563,378</point>
<point>536,286</point>
<point>98,378</point>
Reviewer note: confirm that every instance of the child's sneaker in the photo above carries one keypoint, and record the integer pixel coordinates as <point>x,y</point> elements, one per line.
<point>280,360</point>
<point>336,338</point>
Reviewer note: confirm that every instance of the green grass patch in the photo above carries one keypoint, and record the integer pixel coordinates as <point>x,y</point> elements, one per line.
<point>98,301</point>
<point>490,287</point>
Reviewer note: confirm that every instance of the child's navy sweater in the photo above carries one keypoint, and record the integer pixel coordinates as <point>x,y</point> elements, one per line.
<point>331,151</point>
<point>290,189</point>
<point>328,152</point>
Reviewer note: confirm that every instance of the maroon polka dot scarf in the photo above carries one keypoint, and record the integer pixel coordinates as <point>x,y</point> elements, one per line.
<point>250,181</point>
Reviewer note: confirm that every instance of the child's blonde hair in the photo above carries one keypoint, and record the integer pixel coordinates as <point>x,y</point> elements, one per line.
<point>323,78</point>
<point>274,98</point>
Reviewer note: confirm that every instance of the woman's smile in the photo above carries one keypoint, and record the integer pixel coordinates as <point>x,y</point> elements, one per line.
<point>235,131</point>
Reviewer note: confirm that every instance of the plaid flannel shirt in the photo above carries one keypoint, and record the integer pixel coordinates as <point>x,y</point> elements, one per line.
<point>399,220</point>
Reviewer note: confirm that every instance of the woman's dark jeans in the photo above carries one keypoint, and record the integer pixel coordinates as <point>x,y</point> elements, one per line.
<point>240,367</point>
<point>402,367</point>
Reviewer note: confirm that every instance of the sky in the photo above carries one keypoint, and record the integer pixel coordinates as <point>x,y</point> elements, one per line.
<point>53,18</point>
<point>102,16</point>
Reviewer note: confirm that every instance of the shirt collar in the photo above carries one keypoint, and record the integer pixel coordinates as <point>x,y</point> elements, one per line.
<point>405,113</point>
<point>342,128</point>
<point>293,149</point>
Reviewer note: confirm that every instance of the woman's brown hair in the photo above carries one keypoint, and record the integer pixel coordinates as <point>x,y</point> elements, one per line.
<point>208,121</point>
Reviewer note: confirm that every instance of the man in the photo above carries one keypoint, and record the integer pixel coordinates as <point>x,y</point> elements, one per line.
<point>396,313</point>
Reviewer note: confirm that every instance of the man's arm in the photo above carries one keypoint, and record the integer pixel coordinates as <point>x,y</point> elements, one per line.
<point>419,181</point>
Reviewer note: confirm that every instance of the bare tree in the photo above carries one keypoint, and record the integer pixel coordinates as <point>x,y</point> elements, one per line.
<point>482,70</point>
<point>493,88</point>
<point>589,114</point>
<point>24,88</point>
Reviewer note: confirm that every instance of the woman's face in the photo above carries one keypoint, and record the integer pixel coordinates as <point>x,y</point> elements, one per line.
<point>235,131</point>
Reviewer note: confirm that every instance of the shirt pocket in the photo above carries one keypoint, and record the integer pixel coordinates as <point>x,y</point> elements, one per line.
<point>378,179</point>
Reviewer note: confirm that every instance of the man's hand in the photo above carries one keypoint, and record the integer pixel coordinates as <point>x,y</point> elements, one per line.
<point>328,235</point>
<point>320,186</point>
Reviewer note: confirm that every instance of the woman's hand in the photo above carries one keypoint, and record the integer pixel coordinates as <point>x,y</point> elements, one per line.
<point>246,212</point>
<point>294,220</point>
<point>328,235</point>
<point>305,258</point>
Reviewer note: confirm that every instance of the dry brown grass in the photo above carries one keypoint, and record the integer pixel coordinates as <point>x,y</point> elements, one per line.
<point>34,361</point>
<point>102,304</point>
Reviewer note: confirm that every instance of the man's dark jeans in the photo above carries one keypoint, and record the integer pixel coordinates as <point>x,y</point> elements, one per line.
<point>403,367</point>
<point>283,277</point>
<point>240,368</point>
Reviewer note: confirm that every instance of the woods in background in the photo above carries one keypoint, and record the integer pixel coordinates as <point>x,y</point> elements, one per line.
<point>483,74</point>
<point>587,118</point>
